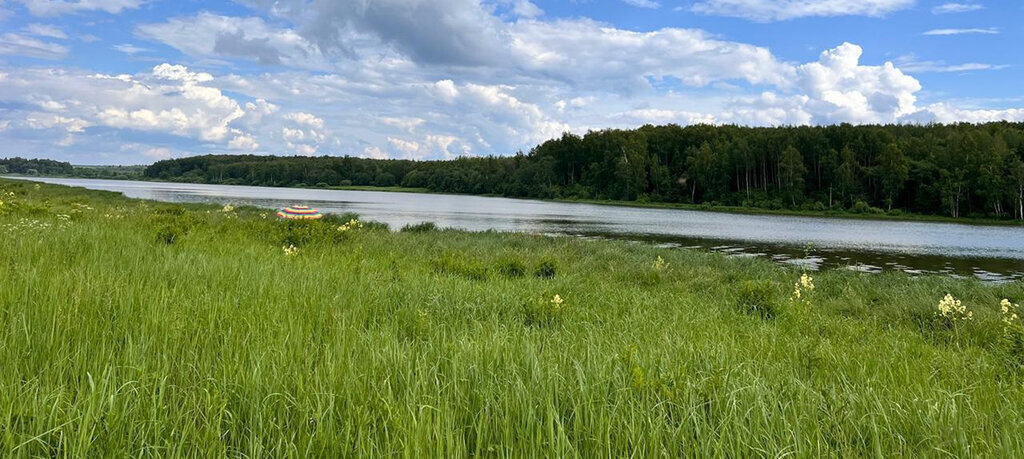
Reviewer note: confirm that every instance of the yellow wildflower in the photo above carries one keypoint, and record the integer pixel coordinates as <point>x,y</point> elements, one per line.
<point>1009,311</point>
<point>557,302</point>
<point>290,250</point>
<point>952,309</point>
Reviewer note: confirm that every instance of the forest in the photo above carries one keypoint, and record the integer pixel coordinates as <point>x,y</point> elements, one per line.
<point>24,166</point>
<point>959,170</point>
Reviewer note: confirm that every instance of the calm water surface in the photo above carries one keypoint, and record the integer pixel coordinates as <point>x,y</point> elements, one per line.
<point>988,252</point>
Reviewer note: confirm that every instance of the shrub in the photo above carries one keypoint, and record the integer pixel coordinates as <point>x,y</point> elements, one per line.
<point>173,223</point>
<point>758,298</point>
<point>455,266</point>
<point>547,268</point>
<point>511,268</point>
<point>424,227</point>
<point>304,232</point>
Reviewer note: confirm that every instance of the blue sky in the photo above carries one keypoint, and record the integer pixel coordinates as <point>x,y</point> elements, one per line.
<point>133,81</point>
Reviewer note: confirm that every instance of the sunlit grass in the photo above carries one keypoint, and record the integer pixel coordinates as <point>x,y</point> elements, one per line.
<point>138,328</point>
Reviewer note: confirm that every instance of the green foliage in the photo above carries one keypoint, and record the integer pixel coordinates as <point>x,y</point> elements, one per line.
<point>758,298</point>
<point>547,268</point>
<point>34,166</point>
<point>425,227</point>
<point>512,268</point>
<point>455,265</point>
<point>300,233</point>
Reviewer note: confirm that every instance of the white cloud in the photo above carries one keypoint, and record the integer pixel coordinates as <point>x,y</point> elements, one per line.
<point>45,30</point>
<point>948,8</point>
<point>211,35</point>
<point>374,153</point>
<point>649,4</point>
<point>129,48</point>
<point>592,54</point>
<point>159,153</point>
<point>526,9</point>
<point>57,7</point>
<point>781,10</point>
<point>305,118</point>
<point>15,44</point>
<point>912,65</point>
<point>170,99</point>
<point>944,113</point>
<point>243,141</point>
<point>450,32</point>
<point>986,31</point>
<point>392,96</point>
<point>842,90</point>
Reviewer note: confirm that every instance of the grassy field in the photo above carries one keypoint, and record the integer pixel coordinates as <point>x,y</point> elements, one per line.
<point>133,328</point>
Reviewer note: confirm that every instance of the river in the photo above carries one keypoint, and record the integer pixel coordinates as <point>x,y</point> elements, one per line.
<point>991,253</point>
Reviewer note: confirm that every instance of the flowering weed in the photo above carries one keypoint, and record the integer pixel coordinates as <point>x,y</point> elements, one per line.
<point>544,310</point>
<point>952,311</point>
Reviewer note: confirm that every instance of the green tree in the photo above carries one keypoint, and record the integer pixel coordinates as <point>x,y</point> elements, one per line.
<point>791,173</point>
<point>701,165</point>
<point>847,174</point>
<point>1017,175</point>
<point>894,170</point>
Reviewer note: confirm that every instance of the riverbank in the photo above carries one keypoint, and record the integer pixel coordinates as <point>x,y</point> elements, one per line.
<point>131,326</point>
<point>876,214</point>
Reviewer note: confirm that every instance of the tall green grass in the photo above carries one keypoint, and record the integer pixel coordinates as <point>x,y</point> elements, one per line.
<point>116,340</point>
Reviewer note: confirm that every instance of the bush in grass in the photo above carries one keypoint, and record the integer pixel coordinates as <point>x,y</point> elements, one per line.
<point>173,223</point>
<point>301,233</point>
<point>758,298</point>
<point>547,268</point>
<point>456,266</point>
<point>424,227</point>
<point>511,268</point>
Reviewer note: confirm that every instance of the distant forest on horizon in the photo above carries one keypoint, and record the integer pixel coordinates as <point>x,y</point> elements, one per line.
<point>957,170</point>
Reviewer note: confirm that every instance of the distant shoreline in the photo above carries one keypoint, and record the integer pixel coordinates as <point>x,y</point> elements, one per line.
<point>907,217</point>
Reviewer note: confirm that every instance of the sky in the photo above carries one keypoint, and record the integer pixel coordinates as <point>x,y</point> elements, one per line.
<point>136,81</point>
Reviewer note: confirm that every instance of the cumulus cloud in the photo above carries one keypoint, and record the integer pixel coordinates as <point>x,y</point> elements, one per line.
<point>840,89</point>
<point>589,53</point>
<point>781,10</point>
<point>513,79</point>
<point>170,99</point>
<point>456,32</point>
<point>212,35</point>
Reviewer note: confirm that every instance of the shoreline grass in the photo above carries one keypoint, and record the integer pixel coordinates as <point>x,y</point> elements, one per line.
<point>116,340</point>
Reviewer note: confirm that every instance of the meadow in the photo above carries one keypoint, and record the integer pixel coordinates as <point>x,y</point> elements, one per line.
<point>136,328</point>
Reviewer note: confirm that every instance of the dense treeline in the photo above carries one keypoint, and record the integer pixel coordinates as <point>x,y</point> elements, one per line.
<point>955,170</point>
<point>34,166</point>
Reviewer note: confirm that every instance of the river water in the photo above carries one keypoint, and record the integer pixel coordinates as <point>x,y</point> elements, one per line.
<point>992,253</point>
